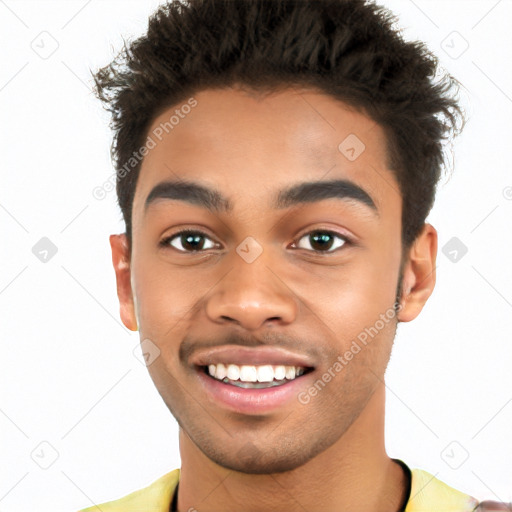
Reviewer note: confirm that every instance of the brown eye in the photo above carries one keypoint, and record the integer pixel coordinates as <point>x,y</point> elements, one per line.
<point>187,241</point>
<point>323,241</point>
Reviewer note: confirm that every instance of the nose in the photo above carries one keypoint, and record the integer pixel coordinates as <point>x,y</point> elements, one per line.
<point>252,295</point>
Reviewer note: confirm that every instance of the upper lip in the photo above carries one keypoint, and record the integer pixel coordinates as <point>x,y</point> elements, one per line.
<point>229,354</point>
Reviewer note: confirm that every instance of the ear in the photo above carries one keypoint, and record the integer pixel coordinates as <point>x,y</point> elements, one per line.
<point>419,274</point>
<point>121,262</point>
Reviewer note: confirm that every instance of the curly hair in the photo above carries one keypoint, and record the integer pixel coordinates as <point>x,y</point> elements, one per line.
<point>348,49</point>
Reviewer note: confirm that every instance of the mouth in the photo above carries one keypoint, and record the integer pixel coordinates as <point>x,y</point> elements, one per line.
<point>262,380</point>
<point>261,376</point>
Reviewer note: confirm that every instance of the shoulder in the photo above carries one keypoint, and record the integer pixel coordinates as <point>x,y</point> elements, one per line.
<point>156,497</point>
<point>429,494</point>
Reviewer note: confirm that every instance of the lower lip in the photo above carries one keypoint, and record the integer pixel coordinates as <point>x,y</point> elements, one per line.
<point>251,401</point>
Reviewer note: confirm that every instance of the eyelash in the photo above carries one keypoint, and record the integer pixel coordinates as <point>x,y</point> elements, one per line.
<point>347,241</point>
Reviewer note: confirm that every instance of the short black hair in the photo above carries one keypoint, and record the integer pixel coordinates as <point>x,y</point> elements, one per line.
<point>348,49</point>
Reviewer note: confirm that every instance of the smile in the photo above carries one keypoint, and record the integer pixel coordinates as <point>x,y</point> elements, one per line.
<point>254,376</point>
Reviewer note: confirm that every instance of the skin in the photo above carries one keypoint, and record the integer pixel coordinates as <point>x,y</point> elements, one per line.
<point>493,506</point>
<point>328,454</point>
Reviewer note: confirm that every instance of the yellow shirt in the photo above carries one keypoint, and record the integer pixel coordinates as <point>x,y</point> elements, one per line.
<point>428,494</point>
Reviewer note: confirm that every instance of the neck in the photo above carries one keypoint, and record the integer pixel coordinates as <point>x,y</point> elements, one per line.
<point>354,473</point>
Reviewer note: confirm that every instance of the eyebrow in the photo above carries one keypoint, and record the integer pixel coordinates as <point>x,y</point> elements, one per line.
<point>306,192</point>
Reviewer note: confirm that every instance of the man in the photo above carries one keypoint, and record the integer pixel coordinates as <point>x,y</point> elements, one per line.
<point>276,162</point>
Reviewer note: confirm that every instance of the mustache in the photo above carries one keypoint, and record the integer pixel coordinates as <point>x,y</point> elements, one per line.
<point>191,344</point>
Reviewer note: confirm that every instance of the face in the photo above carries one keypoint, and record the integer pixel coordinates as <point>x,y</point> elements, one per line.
<point>290,257</point>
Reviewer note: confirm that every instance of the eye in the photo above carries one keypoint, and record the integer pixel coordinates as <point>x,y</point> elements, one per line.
<point>189,240</point>
<point>322,241</point>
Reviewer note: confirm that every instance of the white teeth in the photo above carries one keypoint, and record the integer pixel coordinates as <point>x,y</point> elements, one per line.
<point>265,373</point>
<point>220,372</point>
<point>290,372</point>
<point>279,372</point>
<point>248,374</point>
<point>254,373</point>
<point>233,372</point>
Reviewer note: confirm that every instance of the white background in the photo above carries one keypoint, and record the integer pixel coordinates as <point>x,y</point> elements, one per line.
<point>69,377</point>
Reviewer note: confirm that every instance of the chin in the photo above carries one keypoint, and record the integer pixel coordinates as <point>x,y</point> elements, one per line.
<point>260,465</point>
<point>252,460</point>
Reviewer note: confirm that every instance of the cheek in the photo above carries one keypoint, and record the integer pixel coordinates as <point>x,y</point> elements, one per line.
<point>373,287</point>
<point>350,297</point>
<point>164,294</point>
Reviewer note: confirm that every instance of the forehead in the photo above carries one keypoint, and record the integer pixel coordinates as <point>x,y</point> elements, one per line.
<point>251,145</point>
